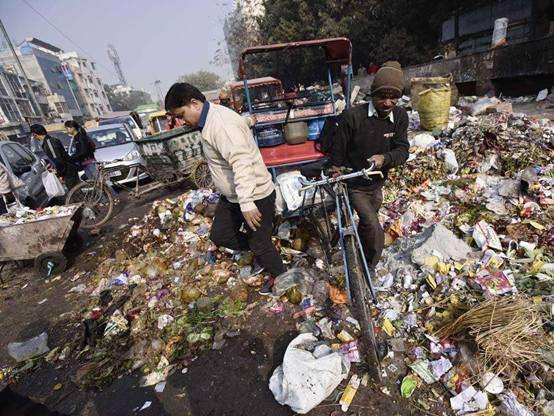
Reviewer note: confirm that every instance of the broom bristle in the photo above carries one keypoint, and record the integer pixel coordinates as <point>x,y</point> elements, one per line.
<point>508,332</point>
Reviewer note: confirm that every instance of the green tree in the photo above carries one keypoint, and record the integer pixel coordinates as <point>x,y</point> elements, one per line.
<point>203,80</point>
<point>406,30</point>
<point>127,101</point>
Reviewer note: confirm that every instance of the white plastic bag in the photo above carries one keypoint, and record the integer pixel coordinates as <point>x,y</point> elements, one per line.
<point>423,140</point>
<point>21,351</point>
<point>303,381</point>
<point>499,31</point>
<point>450,160</point>
<point>289,184</point>
<point>485,236</point>
<point>52,185</point>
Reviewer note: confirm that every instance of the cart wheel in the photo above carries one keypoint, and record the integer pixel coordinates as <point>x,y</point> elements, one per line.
<point>50,264</point>
<point>200,175</point>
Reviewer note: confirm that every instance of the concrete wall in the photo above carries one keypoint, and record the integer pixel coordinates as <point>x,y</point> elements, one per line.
<point>533,59</point>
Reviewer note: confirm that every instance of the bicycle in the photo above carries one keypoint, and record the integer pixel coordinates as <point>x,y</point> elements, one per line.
<point>358,282</point>
<point>96,196</point>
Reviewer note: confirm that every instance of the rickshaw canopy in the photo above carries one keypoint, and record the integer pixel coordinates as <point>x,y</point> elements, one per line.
<point>337,50</point>
<point>255,82</point>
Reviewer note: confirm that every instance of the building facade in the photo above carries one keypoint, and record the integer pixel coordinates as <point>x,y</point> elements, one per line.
<point>42,63</point>
<point>16,108</point>
<point>470,29</point>
<point>91,96</point>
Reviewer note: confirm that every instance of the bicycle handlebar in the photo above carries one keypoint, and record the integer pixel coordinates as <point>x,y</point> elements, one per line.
<point>366,173</point>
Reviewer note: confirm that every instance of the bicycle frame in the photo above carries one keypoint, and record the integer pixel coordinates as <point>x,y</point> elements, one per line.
<point>134,188</point>
<point>345,217</point>
<point>348,227</point>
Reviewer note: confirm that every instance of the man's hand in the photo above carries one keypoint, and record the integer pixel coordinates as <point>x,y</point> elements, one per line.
<point>251,120</point>
<point>253,218</point>
<point>377,160</point>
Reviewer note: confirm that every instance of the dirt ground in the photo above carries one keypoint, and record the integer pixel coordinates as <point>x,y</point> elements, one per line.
<point>230,381</point>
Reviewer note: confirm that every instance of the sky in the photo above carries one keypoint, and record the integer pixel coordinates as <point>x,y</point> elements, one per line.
<point>155,39</point>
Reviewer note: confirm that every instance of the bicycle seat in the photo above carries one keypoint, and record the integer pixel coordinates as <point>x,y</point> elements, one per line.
<point>313,170</point>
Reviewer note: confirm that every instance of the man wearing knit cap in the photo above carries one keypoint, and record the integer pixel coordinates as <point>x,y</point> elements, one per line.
<point>374,133</point>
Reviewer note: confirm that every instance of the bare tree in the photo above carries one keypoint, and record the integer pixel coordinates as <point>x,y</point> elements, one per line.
<point>241,29</point>
<point>203,80</point>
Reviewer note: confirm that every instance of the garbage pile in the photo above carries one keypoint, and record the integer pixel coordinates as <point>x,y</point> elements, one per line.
<point>465,284</point>
<point>166,294</point>
<point>465,301</point>
<point>23,214</point>
<point>321,356</point>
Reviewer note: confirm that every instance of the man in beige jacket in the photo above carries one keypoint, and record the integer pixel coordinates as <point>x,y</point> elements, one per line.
<point>239,174</point>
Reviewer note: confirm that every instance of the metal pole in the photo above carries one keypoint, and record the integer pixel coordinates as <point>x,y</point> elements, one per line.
<point>27,83</point>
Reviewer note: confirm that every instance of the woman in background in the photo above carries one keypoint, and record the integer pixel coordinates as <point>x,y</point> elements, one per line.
<point>81,148</point>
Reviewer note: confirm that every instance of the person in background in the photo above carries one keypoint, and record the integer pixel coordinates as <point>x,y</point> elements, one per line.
<point>225,96</point>
<point>9,184</point>
<point>56,154</point>
<point>376,131</point>
<point>81,152</point>
<point>239,174</point>
<point>81,148</point>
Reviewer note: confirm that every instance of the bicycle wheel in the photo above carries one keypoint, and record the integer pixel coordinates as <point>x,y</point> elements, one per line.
<point>360,302</point>
<point>97,203</point>
<point>325,232</point>
<point>200,175</point>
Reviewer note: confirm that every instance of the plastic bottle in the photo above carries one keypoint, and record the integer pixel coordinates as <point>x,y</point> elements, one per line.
<point>349,392</point>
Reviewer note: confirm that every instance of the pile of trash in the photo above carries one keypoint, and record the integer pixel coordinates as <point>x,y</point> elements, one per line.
<point>165,295</point>
<point>465,284</point>
<point>22,214</point>
<point>168,293</point>
<point>464,287</point>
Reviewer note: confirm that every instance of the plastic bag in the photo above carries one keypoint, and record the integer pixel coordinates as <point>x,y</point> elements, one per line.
<point>423,140</point>
<point>483,104</point>
<point>21,351</point>
<point>450,160</point>
<point>485,236</point>
<point>499,32</point>
<point>511,407</point>
<point>304,381</point>
<point>292,278</point>
<point>289,185</point>
<point>52,185</point>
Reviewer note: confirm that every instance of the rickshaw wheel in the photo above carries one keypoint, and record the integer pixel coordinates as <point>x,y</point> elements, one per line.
<point>50,264</point>
<point>200,175</point>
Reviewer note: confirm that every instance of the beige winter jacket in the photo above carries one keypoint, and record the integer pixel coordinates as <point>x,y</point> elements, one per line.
<point>8,182</point>
<point>235,162</point>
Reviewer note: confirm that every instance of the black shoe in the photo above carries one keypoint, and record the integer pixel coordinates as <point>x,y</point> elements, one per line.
<point>257,268</point>
<point>266,288</point>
